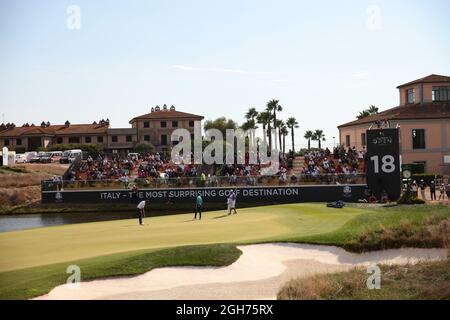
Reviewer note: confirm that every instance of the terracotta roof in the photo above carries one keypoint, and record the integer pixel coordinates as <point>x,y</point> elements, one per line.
<point>429,79</point>
<point>163,115</point>
<point>430,110</point>
<point>56,130</point>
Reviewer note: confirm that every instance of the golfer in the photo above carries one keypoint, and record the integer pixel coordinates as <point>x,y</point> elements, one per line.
<point>141,211</point>
<point>232,203</point>
<point>198,207</point>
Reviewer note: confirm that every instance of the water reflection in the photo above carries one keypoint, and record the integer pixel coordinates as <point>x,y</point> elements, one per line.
<point>28,221</point>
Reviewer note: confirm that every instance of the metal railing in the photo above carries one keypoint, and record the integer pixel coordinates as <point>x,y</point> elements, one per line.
<point>208,182</point>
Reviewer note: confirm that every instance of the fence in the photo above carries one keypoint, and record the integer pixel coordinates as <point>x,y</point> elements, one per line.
<point>209,182</point>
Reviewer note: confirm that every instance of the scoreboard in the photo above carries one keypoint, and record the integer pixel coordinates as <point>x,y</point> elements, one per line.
<point>383,162</point>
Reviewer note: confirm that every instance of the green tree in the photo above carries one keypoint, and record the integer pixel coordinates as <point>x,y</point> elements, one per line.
<point>319,136</point>
<point>251,114</point>
<point>279,125</point>
<point>221,124</point>
<point>292,124</point>
<point>367,112</point>
<point>284,132</point>
<point>273,106</point>
<point>309,135</point>
<point>264,118</point>
<point>144,147</point>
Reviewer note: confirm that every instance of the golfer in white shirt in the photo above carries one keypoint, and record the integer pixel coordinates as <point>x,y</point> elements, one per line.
<point>141,211</point>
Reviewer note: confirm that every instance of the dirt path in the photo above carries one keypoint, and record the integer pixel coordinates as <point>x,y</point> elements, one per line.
<point>257,274</point>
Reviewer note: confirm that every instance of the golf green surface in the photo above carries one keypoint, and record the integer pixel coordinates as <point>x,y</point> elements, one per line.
<point>44,246</point>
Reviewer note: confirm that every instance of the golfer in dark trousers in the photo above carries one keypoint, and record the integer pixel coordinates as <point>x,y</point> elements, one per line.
<point>198,207</point>
<point>141,211</point>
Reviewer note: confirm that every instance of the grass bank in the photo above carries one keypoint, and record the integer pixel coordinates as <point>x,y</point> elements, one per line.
<point>419,226</point>
<point>424,281</point>
<point>33,282</point>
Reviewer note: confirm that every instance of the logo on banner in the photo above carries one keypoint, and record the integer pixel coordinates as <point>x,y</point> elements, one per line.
<point>58,197</point>
<point>347,191</point>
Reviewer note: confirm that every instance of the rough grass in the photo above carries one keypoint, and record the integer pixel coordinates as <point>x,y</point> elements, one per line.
<point>33,282</point>
<point>20,185</point>
<point>419,226</point>
<point>425,281</point>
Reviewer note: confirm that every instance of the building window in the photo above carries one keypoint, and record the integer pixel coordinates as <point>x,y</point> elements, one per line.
<point>347,141</point>
<point>363,139</point>
<point>146,137</point>
<point>163,124</point>
<point>129,139</point>
<point>88,139</point>
<point>191,124</point>
<point>410,95</point>
<point>418,137</point>
<point>146,124</point>
<point>59,140</point>
<point>174,124</point>
<point>441,94</point>
<point>6,142</point>
<point>100,139</point>
<point>164,139</point>
<point>19,142</point>
<point>74,139</point>
<point>114,138</point>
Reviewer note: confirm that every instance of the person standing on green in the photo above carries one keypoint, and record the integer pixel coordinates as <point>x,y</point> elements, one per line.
<point>198,207</point>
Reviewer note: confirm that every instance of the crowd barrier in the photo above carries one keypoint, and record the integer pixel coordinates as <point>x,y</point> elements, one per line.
<point>209,182</point>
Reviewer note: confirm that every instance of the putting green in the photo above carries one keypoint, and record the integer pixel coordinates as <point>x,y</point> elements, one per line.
<point>28,248</point>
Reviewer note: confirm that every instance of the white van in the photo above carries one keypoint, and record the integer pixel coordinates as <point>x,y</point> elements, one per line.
<point>21,158</point>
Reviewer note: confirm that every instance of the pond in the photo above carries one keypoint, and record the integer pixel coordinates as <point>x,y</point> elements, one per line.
<point>28,221</point>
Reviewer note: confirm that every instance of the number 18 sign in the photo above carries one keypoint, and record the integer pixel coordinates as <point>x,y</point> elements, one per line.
<point>383,162</point>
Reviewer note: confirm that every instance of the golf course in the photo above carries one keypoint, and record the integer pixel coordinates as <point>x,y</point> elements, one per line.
<point>34,261</point>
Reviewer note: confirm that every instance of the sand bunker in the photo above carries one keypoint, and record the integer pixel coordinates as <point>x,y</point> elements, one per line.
<point>257,274</point>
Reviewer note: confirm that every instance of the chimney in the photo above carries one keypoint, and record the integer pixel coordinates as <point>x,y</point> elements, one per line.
<point>172,108</point>
<point>43,125</point>
<point>67,124</point>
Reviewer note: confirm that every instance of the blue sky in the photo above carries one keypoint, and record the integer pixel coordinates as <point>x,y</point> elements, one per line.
<point>216,58</point>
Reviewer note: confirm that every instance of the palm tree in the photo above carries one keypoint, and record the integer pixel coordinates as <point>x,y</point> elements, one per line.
<point>319,137</point>
<point>251,122</point>
<point>279,125</point>
<point>292,124</point>
<point>264,118</point>
<point>309,135</point>
<point>251,114</point>
<point>274,107</point>
<point>284,132</point>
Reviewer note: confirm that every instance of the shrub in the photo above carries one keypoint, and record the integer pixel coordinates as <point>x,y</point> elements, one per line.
<point>144,147</point>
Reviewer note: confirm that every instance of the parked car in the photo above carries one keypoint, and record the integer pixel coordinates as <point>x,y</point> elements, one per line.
<point>30,155</point>
<point>70,155</point>
<point>45,157</point>
<point>56,155</point>
<point>21,158</point>
<point>34,158</point>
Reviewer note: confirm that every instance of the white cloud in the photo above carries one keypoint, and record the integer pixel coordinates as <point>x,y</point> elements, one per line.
<point>222,70</point>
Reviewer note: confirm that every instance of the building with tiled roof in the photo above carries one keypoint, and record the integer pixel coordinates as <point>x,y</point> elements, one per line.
<point>423,117</point>
<point>155,127</point>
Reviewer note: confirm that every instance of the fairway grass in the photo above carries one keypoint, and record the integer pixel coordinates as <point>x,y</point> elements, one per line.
<point>34,261</point>
<point>43,246</point>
